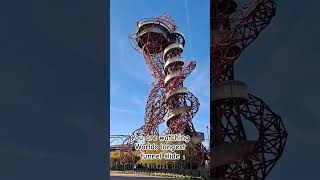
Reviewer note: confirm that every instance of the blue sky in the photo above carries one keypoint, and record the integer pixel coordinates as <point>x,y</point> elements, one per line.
<point>130,77</point>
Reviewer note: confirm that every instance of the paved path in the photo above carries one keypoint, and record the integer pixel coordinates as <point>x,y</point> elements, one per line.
<point>121,176</point>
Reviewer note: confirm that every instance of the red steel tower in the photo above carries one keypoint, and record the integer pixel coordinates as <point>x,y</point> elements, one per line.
<point>161,44</point>
<point>233,155</point>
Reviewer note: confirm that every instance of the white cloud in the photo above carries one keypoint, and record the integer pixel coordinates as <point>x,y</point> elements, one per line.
<point>199,83</point>
<point>122,110</point>
<point>116,109</point>
<point>138,101</point>
<point>114,88</point>
<point>189,25</point>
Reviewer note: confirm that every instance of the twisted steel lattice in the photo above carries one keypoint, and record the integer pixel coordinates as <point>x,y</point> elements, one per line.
<point>161,44</point>
<point>234,28</point>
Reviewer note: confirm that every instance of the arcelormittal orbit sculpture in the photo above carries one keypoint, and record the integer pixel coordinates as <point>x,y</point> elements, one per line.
<point>161,44</point>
